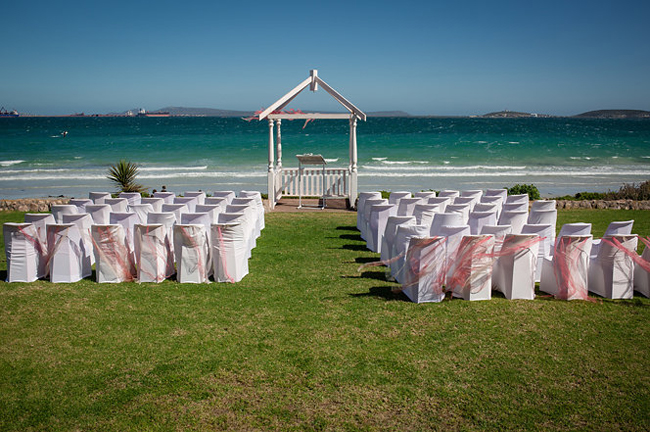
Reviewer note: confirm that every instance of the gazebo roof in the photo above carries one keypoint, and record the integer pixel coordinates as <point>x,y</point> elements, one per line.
<point>312,81</point>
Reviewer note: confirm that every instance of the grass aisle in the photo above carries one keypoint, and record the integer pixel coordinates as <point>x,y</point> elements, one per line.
<point>305,342</point>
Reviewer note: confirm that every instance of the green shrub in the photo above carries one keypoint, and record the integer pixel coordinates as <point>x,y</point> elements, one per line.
<point>631,191</point>
<point>531,190</point>
<point>123,175</point>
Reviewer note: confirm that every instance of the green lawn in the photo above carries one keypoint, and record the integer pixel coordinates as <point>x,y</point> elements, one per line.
<point>305,342</point>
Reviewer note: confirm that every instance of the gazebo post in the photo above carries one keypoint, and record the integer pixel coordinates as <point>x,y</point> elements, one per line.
<point>353,161</point>
<point>271,171</point>
<point>278,137</point>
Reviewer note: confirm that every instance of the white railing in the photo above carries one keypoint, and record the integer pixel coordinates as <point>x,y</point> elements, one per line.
<point>336,182</point>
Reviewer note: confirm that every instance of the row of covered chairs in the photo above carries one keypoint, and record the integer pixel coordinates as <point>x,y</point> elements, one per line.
<point>194,237</point>
<point>431,250</point>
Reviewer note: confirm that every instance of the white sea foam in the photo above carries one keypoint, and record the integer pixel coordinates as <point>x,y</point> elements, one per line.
<point>331,160</point>
<point>404,162</point>
<point>10,162</point>
<point>384,158</point>
<point>166,168</point>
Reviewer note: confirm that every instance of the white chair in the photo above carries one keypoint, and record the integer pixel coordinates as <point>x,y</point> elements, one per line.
<point>240,218</point>
<point>24,252</point>
<point>142,210</point>
<point>449,194</point>
<point>113,260</point>
<point>177,209</point>
<point>502,193</point>
<point>425,195</point>
<point>453,234</point>
<point>128,221</point>
<point>58,210</point>
<point>65,253</point>
<point>118,205</point>
<point>642,273</point>
<point>443,202</point>
<point>83,222</point>
<point>379,215</point>
<point>445,219</point>
<point>611,271</point>
<point>257,196</point>
<point>470,276</point>
<point>516,199</point>
<point>389,234</point>
<point>212,210</point>
<point>229,251</point>
<point>485,207</point>
<point>545,245</point>
<point>100,213</point>
<point>514,270</point>
<point>153,255</point>
<point>168,220</point>
<point>614,228</point>
<point>364,214</point>
<point>80,204</point>
<point>199,195</point>
<point>229,195</point>
<point>400,247</point>
<point>192,253</point>
<point>406,206</point>
<point>40,220</point>
<point>156,203</point>
<point>565,275</point>
<point>250,223</point>
<point>472,193</point>
<point>99,197</point>
<point>493,200</point>
<point>424,271</point>
<point>168,197</point>
<point>253,204</point>
<point>197,219</point>
<point>498,231</point>
<point>424,213</point>
<point>542,205</point>
<point>221,202</point>
<point>394,197</point>
<point>477,219</point>
<point>573,229</point>
<point>190,202</point>
<point>133,198</point>
<point>468,200</point>
<point>516,219</point>
<point>462,209</point>
<point>543,217</point>
<point>515,206</point>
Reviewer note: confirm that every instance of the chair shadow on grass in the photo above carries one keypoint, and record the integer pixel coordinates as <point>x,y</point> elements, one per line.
<point>354,237</point>
<point>347,228</point>
<point>370,274</point>
<point>382,292</point>
<point>3,275</point>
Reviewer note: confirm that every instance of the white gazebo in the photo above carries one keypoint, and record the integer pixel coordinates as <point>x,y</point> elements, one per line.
<point>335,182</point>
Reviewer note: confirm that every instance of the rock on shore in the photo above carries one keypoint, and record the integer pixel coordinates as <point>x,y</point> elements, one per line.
<point>31,205</point>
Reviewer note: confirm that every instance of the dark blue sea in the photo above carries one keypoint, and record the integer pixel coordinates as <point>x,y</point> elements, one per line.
<point>559,155</point>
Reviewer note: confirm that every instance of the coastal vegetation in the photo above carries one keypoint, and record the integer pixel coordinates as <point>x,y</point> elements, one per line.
<point>629,191</point>
<point>124,175</point>
<point>306,342</point>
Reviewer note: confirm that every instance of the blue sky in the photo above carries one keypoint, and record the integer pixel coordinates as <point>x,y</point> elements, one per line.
<point>423,57</point>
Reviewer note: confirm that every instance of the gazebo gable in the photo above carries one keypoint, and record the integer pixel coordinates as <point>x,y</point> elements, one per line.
<point>313,81</point>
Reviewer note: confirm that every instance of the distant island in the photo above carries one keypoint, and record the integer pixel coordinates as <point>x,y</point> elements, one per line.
<point>616,114</point>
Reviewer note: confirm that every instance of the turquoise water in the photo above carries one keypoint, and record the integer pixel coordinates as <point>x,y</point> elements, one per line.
<point>559,155</point>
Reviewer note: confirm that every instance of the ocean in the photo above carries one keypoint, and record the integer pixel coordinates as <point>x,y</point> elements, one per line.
<point>559,155</point>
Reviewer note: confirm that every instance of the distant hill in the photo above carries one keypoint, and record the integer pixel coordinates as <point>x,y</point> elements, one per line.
<point>388,114</point>
<point>615,114</point>
<point>204,112</point>
<point>511,114</point>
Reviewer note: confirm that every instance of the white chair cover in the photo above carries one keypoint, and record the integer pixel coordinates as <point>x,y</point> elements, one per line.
<point>250,223</point>
<point>515,199</point>
<point>545,245</point>
<point>133,198</point>
<point>425,195</point>
<point>99,197</point>
<point>83,222</point>
<point>394,197</point>
<point>258,210</point>
<point>365,216</point>
<point>156,203</point>
<point>153,255</point>
<point>565,275</point>
<point>197,219</point>
<point>486,207</point>
<point>379,215</point>
<point>229,195</point>
<point>454,234</point>
<point>229,251</point>
<point>642,276</point>
<point>425,269</point>
<point>100,213</point>
<point>468,200</point>
<point>472,193</point>
<point>449,193</point>
<point>58,210</point>
<point>257,196</point>
<point>389,234</point>
<point>424,213</point>
<point>516,219</point>
<point>128,221</point>
<point>199,195</point>
<point>142,210</point>
<point>118,205</point>
<point>573,229</point>
<point>541,205</point>
<point>514,271</point>
<point>515,206</point>
<point>406,206</point>
<point>177,209</point>
<point>361,201</point>
<point>168,197</point>
<point>40,220</point>
<point>168,219</point>
<point>443,202</point>
<point>24,252</point>
<point>614,228</point>
<point>462,209</point>
<point>212,210</point>
<point>189,202</point>
<point>537,217</point>
<point>477,219</point>
<point>221,202</point>
<point>502,193</point>
<point>66,253</point>
<point>80,204</point>
<point>471,273</point>
<point>113,262</point>
<point>192,250</point>
<point>611,271</point>
<point>442,219</point>
<point>494,200</point>
<point>400,247</point>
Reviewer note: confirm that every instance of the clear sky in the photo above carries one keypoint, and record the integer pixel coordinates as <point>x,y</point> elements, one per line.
<point>423,57</point>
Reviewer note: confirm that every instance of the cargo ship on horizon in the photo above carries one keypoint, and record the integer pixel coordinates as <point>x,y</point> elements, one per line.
<point>5,113</point>
<point>145,113</point>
